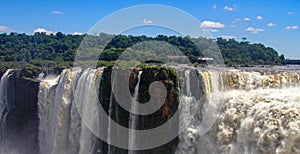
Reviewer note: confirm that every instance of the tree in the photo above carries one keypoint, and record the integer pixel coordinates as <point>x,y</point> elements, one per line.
<point>244,39</point>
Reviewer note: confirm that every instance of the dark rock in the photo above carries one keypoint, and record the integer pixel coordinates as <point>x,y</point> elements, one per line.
<point>22,120</point>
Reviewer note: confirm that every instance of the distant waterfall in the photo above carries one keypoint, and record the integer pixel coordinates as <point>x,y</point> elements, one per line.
<point>61,128</point>
<point>6,102</point>
<point>133,119</point>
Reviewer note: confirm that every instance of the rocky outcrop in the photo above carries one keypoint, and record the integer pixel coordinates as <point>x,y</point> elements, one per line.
<point>168,77</point>
<point>22,119</point>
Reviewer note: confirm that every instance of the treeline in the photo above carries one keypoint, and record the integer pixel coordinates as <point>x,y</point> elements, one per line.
<point>293,61</point>
<point>59,50</point>
<point>244,53</point>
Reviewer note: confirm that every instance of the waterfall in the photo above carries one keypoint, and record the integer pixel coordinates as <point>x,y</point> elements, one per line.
<point>109,129</point>
<point>41,76</point>
<point>237,112</point>
<point>62,102</point>
<point>45,106</point>
<point>6,102</point>
<point>188,83</point>
<point>133,119</point>
<point>263,120</point>
<point>86,95</point>
<point>192,140</point>
<point>236,79</point>
<point>259,113</point>
<point>186,108</point>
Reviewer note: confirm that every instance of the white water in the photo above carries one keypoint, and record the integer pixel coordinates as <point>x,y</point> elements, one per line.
<point>260,114</point>
<point>109,129</point>
<point>200,119</point>
<point>61,129</point>
<point>133,119</point>
<point>186,107</point>
<point>5,104</point>
<point>260,121</point>
<point>41,76</point>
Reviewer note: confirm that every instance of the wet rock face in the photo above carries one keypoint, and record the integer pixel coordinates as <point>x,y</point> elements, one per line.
<point>169,78</point>
<point>1,73</point>
<point>22,119</point>
<point>166,76</point>
<point>169,107</point>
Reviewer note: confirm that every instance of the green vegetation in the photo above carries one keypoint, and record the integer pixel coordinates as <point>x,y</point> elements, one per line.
<point>293,61</point>
<point>244,53</point>
<point>40,51</point>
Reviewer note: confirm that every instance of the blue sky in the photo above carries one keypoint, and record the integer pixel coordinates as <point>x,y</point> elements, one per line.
<point>274,23</point>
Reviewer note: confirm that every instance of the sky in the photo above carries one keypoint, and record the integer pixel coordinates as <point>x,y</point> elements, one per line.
<point>274,23</point>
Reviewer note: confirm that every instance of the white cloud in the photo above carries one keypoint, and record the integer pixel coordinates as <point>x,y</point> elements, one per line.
<point>229,8</point>
<point>271,24</point>
<point>214,7</point>
<point>147,21</point>
<point>4,28</point>
<point>227,37</point>
<point>232,26</point>
<point>259,18</point>
<point>210,30</point>
<point>292,27</point>
<point>290,13</point>
<point>211,24</point>
<point>254,30</point>
<point>77,33</point>
<point>250,29</point>
<point>43,30</point>
<point>247,19</point>
<point>236,20</point>
<point>57,12</point>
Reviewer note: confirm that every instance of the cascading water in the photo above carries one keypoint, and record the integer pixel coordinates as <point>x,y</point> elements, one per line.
<point>259,114</point>
<point>46,106</point>
<point>133,119</point>
<point>260,121</point>
<point>109,129</point>
<point>61,102</point>
<point>186,107</point>
<point>190,140</point>
<point>5,102</point>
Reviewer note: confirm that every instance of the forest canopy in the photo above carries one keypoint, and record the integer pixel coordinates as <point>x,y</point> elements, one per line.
<point>59,50</point>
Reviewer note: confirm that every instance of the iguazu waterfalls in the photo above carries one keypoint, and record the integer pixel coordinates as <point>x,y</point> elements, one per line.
<point>219,111</point>
<point>5,104</point>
